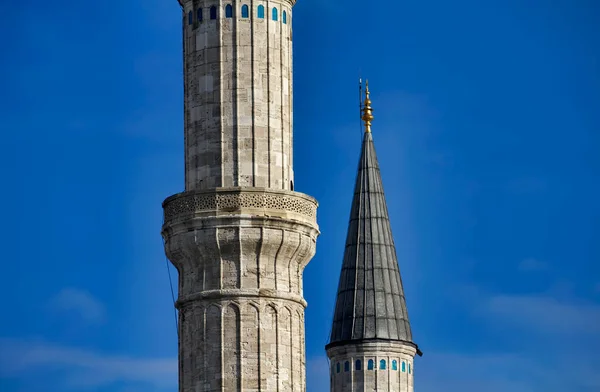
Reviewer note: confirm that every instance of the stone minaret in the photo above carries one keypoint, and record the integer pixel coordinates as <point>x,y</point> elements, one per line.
<point>371,346</point>
<point>239,235</point>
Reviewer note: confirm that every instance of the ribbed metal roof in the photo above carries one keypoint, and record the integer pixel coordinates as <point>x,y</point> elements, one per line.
<point>370,299</point>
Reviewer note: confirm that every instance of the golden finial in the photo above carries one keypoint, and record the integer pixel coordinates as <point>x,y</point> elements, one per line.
<point>367,109</point>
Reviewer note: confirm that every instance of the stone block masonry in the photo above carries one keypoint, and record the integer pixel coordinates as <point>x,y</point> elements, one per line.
<point>240,254</point>
<point>242,345</point>
<point>239,236</point>
<point>238,95</point>
<point>376,366</point>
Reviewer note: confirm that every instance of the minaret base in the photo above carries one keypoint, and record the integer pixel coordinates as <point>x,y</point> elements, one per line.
<point>372,365</point>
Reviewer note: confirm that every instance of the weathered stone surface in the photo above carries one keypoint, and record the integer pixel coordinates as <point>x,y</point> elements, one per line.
<point>247,344</point>
<point>239,236</point>
<point>238,106</point>
<point>240,254</point>
<point>219,201</point>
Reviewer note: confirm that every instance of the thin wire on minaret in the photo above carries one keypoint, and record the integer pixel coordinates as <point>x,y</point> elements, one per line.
<point>172,291</point>
<point>360,107</point>
<point>360,126</point>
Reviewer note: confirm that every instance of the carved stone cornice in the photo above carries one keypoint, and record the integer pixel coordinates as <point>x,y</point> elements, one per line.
<point>235,201</point>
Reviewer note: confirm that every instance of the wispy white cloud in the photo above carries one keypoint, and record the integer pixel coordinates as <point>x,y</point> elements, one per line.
<point>317,374</point>
<point>548,327</point>
<point>493,372</point>
<point>532,264</point>
<point>82,368</point>
<point>79,302</point>
<point>473,372</point>
<point>557,312</point>
<point>544,314</point>
<point>489,372</point>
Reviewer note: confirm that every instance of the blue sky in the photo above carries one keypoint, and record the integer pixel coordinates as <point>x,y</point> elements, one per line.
<point>487,129</point>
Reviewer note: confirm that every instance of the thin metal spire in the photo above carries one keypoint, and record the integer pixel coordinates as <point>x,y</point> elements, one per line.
<point>360,107</point>
<point>367,110</point>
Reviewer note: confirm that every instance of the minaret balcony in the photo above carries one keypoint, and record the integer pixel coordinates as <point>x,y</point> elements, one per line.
<point>240,242</point>
<point>184,207</point>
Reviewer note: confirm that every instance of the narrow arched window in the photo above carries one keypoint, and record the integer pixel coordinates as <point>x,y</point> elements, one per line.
<point>274,12</point>
<point>403,366</point>
<point>261,11</point>
<point>409,368</point>
<point>382,364</point>
<point>394,365</point>
<point>245,11</point>
<point>284,17</point>
<point>213,12</point>
<point>347,366</point>
<point>199,14</point>
<point>190,18</point>
<point>370,364</point>
<point>358,364</point>
<point>228,11</point>
<point>337,367</point>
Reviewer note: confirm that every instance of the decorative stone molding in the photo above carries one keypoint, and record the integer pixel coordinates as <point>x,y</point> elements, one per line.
<point>211,295</point>
<point>189,204</point>
<point>371,347</point>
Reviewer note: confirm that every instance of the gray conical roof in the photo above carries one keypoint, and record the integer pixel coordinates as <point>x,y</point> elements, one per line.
<point>370,300</point>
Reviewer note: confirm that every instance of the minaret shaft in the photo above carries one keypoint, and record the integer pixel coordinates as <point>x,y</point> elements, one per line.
<point>238,94</point>
<point>239,235</point>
